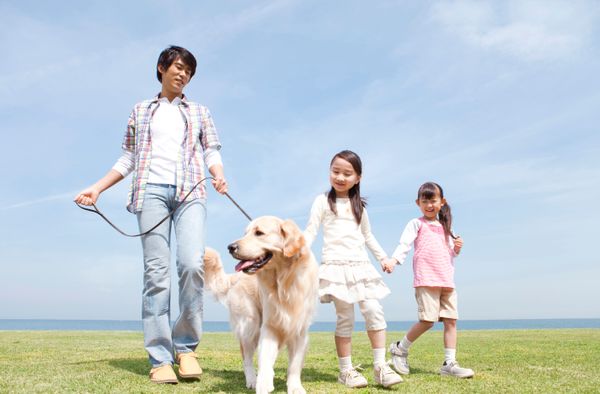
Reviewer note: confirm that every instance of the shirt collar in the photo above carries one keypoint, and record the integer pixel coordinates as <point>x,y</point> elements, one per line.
<point>176,100</point>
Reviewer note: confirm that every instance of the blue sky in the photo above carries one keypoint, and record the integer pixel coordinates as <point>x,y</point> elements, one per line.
<point>496,101</point>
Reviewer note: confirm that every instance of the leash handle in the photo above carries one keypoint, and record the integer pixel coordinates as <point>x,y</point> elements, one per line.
<point>99,213</point>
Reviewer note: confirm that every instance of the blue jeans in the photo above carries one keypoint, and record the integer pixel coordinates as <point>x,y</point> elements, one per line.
<point>189,220</point>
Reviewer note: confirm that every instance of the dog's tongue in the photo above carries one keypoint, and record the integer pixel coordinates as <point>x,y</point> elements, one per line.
<point>243,264</point>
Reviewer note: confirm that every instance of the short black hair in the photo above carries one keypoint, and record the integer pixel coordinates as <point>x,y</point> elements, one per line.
<point>169,55</point>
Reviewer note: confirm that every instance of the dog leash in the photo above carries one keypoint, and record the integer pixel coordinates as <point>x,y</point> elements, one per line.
<point>98,212</point>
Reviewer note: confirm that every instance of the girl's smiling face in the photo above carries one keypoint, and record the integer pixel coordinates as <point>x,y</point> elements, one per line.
<point>430,207</point>
<point>342,177</point>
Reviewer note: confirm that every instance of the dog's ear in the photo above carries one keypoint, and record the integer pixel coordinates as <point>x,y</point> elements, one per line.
<point>293,240</point>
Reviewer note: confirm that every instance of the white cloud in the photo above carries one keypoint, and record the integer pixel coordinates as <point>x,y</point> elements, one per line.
<point>41,200</point>
<point>531,30</point>
<point>61,48</point>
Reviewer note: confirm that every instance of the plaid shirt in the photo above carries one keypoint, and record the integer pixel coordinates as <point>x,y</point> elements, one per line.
<point>200,134</point>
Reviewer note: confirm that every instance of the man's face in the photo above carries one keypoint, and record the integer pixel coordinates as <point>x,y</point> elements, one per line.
<point>175,77</point>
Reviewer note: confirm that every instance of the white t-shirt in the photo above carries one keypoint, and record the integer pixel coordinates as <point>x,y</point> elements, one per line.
<point>168,131</point>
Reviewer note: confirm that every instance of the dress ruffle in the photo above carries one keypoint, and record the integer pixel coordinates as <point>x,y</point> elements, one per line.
<point>350,281</point>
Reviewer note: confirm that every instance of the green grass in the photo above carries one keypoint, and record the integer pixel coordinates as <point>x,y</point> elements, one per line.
<point>543,361</point>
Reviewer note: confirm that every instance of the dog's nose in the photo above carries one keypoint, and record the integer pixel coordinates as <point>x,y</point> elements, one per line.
<point>232,248</point>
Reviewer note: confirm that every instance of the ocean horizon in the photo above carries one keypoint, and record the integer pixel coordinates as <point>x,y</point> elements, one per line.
<point>223,326</point>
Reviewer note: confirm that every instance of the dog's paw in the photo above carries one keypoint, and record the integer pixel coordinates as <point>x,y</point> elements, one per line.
<point>251,382</point>
<point>296,390</point>
<point>263,387</point>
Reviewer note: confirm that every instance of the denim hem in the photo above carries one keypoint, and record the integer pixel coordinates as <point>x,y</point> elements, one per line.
<point>162,364</point>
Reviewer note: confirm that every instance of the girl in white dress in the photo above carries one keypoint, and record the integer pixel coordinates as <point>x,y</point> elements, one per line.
<point>346,276</point>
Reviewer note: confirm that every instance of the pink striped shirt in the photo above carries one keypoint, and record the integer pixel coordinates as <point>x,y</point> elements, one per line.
<point>433,263</point>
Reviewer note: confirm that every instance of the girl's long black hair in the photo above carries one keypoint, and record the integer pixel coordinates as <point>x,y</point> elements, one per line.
<point>429,190</point>
<point>356,201</point>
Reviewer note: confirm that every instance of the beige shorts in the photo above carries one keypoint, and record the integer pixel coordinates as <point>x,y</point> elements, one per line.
<point>436,303</point>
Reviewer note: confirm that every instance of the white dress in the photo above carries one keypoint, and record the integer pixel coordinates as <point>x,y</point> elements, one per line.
<point>345,272</point>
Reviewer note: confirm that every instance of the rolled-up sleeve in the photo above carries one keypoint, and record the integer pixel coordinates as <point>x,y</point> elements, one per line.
<point>125,163</point>
<point>212,157</point>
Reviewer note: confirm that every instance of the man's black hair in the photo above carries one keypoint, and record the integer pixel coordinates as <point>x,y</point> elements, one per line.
<point>169,55</point>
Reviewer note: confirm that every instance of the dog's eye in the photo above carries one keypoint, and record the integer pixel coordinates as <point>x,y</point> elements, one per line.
<point>258,233</point>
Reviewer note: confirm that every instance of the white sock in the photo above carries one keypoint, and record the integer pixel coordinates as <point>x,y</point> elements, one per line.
<point>345,363</point>
<point>449,355</point>
<point>379,356</point>
<point>405,344</point>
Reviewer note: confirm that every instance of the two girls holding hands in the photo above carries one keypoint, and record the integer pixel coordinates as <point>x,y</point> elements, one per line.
<point>347,277</point>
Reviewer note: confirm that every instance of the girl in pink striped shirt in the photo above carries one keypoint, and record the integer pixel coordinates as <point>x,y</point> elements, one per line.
<point>433,266</point>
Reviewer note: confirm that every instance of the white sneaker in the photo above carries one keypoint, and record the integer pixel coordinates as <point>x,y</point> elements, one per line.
<point>453,369</point>
<point>352,378</point>
<point>399,359</point>
<point>385,376</point>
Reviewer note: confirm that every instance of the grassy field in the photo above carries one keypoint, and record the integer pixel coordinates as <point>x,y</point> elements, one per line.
<point>544,361</point>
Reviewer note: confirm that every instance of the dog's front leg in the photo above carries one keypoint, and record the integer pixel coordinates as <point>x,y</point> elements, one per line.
<point>268,347</point>
<point>296,351</point>
<point>248,348</point>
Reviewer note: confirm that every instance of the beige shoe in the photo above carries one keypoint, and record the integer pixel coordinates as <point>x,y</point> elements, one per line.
<point>352,378</point>
<point>188,365</point>
<point>399,359</point>
<point>386,376</point>
<point>163,374</point>
<point>453,369</point>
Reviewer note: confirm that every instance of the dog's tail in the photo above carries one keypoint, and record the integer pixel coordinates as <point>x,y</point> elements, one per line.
<point>215,279</point>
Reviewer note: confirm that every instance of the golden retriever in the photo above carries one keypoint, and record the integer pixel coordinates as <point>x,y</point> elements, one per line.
<point>271,298</point>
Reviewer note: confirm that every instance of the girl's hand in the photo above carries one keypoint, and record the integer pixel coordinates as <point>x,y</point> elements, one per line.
<point>388,265</point>
<point>87,196</point>
<point>458,244</point>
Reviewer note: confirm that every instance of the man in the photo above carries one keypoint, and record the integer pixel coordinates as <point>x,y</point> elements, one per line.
<point>167,142</point>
